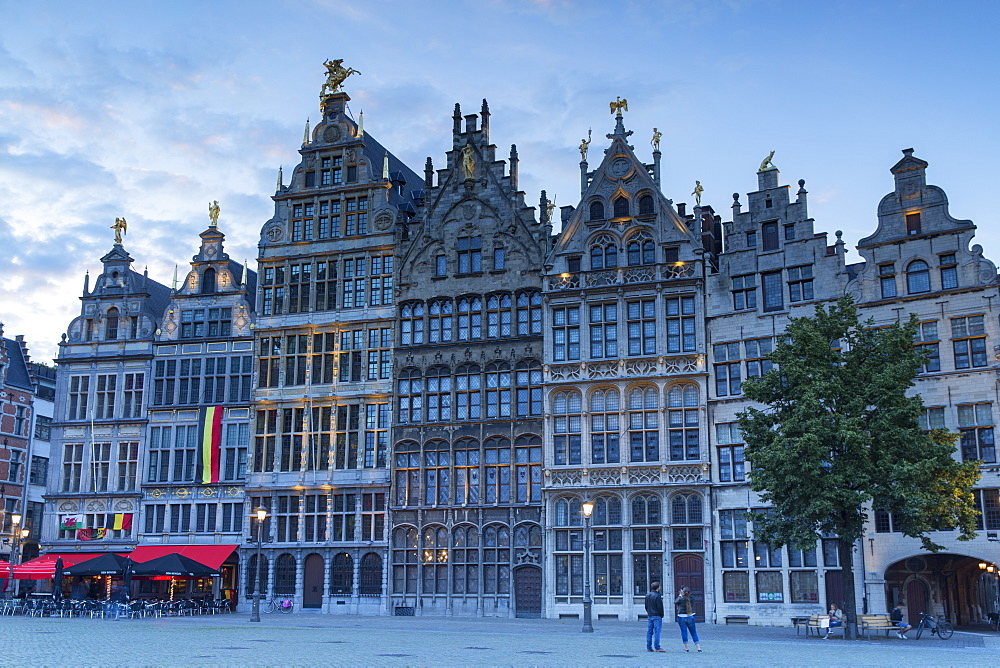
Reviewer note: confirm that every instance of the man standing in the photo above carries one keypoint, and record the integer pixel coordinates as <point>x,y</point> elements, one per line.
<point>654,618</point>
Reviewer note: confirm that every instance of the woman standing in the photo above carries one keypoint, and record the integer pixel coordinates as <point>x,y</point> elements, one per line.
<point>836,619</point>
<point>684,607</point>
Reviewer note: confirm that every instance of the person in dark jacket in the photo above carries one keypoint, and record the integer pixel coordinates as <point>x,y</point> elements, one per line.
<point>654,618</point>
<point>684,607</point>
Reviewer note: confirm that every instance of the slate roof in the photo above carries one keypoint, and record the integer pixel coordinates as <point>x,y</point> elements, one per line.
<point>17,370</point>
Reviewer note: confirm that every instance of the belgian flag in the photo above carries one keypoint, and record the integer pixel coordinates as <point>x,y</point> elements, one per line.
<point>210,429</point>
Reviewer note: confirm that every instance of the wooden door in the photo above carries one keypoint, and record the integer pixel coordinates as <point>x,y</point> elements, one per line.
<point>528,592</point>
<point>312,582</point>
<point>917,600</point>
<point>689,571</point>
<point>835,588</point>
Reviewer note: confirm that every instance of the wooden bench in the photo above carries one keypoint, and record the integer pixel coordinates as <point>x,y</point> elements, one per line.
<point>821,624</point>
<point>869,623</point>
<point>800,620</point>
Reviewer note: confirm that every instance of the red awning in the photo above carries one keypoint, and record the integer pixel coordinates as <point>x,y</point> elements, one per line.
<point>44,568</point>
<point>211,555</point>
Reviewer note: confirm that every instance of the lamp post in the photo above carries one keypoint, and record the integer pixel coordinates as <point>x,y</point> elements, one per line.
<point>15,540</point>
<point>261,514</point>
<point>588,509</point>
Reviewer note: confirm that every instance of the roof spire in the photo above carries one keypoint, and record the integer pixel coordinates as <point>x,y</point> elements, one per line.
<point>305,135</point>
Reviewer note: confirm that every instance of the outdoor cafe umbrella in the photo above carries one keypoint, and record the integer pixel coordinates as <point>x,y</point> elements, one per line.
<point>57,577</point>
<point>106,564</point>
<point>176,565</point>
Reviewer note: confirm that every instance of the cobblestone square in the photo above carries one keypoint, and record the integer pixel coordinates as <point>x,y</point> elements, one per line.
<point>231,640</point>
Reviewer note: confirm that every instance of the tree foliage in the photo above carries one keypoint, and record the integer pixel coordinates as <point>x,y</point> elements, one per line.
<point>838,432</point>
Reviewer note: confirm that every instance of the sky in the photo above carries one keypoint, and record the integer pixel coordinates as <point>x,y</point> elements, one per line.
<point>150,110</point>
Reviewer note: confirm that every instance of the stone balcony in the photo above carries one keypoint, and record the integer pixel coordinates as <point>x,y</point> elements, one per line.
<point>625,476</point>
<point>626,369</point>
<point>621,276</point>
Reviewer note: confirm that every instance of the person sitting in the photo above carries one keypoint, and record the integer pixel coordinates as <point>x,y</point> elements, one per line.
<point>896,616</point>
<point>836,619</point>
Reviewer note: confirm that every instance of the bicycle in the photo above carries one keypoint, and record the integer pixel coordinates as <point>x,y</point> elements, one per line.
<point>940,627</point>
<point>283,605</point>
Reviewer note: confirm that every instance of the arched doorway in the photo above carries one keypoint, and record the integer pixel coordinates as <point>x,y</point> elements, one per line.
<point>942,584</point>
<point>312,582</point>
<point>689,571</point>
<point>528,592</point>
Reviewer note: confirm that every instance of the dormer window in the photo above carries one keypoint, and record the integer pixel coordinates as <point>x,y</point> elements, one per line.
<point>208,282</point>
<point>645,204</point>
<point>621,207</point>
<point>111,325</point>
<point>597,210</point>
<point>912,223</point>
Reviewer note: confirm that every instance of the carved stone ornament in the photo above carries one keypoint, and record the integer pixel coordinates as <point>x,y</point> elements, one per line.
<point>95,506</point>
<point>383,221</point>
<point>332,133</point>
<point>469,210</point>
<point>274,232</point>
<point>67,506</point>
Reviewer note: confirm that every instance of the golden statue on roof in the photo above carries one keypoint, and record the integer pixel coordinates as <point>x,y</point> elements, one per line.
<point>336,73</point>
<point>767,164</point>
<point>619,105</point>
<point>119,227</point>
<point>213,213</point>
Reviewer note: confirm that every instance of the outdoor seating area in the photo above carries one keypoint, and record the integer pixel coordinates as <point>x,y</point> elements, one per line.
<point>137,609</point>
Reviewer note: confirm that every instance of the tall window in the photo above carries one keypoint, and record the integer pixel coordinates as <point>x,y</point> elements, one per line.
<point>685,510</point>
<point>111,324</point>
<point>341,574</point>
<point>105,397</point>
<point>918,277</point>
<point>769,236</point>
<point>621,207</point>
<point>604,253</point>
<point>730,442</point>
<point>72,464</point>
<point>597,210</point>
<point>566,409</point>
<point>470,255</point>
<point>370,575</point>
<point>603,330</point>
<point>342,517</point>
<point>411,324</point>
<point>566,333</point>
<point>408,473</point>
<point>727,368</point>
<point>347,436</point>
<point>642,327</point>
<point>470,319</point>
<point>927,342</point>
<point>498,390</point>
<point>380,290</point>
<point>528,468</point>
<point>132,396</point>
<point>128,465</point>
<point>644,424</point>
<point>607,541</point>
<point>680,324</point>
<point>528,386</point>
<point>466,470</point>
<point>969,341</point>
<point>264,445</point>
<point>434,558</point>
<point>498,316</point>
<point>975,422</point>
<point>497,460</point>
<point>645,205</point>
<point>913,223</point>
<point>284,575</point>
<point>79,390</point>
<point>377,425</point>
<point>771,285</point>
<point>605,409</point>
<point>235,451</point>
<point>800,283</point>
<point>465,560</point>
<point>735,548</point>
<point>496,559</point>
<point>437,463</point>
<point>438,382</point>
<point>405,546</point>
<point>988,504</point>
<point>887,280</point>
<point>757,351</point>
<point>647,543</point>
<point>569,548</point>
<point>373,516</point>
<point>439,321</point>
<point>744,292</point>
<point>682,422</point>
<point>640,251</point>
<point>257,567</point>
<point>529,313</point>
<point>468,392</point>
<point>411,396</point>
<point>269,363</point>
<point>949,271</point>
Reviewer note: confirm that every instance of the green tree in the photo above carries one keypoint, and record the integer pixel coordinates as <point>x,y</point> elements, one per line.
<point>838,435</point>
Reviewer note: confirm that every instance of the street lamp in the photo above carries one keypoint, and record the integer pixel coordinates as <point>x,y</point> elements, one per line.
<point>261,514</point>
<point>15,538</point>
<point>588,510</point>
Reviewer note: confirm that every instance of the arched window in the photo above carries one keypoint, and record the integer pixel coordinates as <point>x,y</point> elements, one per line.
<point>496,560</point>
<point>468,392</point>
<point>528,460</point>
<point>566,427</point>
<point>682,422</point>
<point>604,427</point>
<point>284,575</point>
<point>434,560</point>
<point>646,568</point>
<point>407,473</point>
<point>341,574</point>
<point>645,204</point>
<point>569,512</point>
<point>597,210</point>
<point>438,382</point>
<point>404,560</point>
<point>208,282</point>
<point>640,250</point>
<point>607,511</point>
<point>529,313</point>
<point>648,252</point>
<point>607,537</point>
<point>621,207</point>
<point>597,257</point>
<point>686,509</point>
<point>437,462</point>
<point>497,390</point>
<point>371,575</point>
<point>111,325</point>
<point>470,318</point>
<point>918,277</point>
<point>496,451</point>
<point>528,381</point>
<point>466,470</point>
<point>411,387</point>
<point>439,321</point>
<point>465,560</point>
<point>253,574</point>
<point>611,256</point>
<point>411,324</point>
<point>498,316</point>
<point>644,424</point>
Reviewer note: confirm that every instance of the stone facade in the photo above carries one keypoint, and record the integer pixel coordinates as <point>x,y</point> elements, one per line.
<point>17,414</point>
<point>467,431</point>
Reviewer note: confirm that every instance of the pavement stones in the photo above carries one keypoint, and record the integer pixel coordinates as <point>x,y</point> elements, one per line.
<point>311,639</point>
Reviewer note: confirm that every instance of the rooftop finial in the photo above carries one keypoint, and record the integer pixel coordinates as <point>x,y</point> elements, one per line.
<point>335,76</point>
<point>280,179</point>
<point>361,124</point>
<point>213,213</point>
<point>305,135</point>
<point>120,227</point>
<point>585,145</point>
<point>618,106</point>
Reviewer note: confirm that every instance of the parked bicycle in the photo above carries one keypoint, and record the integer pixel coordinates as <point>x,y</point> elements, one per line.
<point>283,605</point>
<point>940,627</point>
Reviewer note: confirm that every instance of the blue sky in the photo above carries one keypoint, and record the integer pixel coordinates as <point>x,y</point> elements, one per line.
<point>149,110</point>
